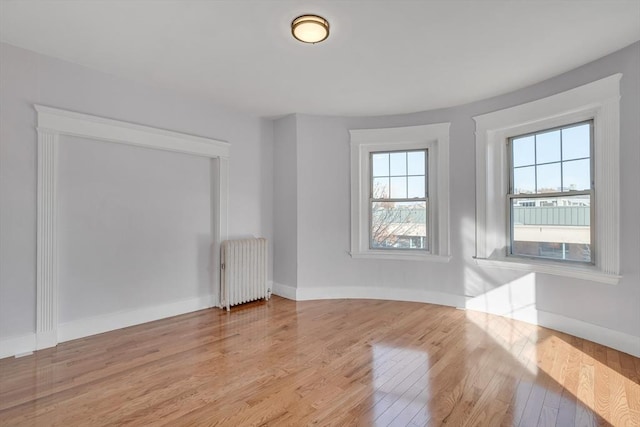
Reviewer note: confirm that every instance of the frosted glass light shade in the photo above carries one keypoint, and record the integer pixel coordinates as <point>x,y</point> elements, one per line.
<point>310,28</point>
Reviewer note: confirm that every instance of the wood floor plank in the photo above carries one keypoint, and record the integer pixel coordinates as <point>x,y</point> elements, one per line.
<point>476,384</point>
<point>488,410</point>
<point>548,416</point>
<point>554,382</point>
<point>333,363</point>
<point>566,410</point>
<point>525,382</point>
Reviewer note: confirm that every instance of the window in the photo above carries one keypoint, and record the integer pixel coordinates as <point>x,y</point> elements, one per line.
<point>400,193</point>
<point>551,194</point>
<point>398,200</point>
<point>533,158</point>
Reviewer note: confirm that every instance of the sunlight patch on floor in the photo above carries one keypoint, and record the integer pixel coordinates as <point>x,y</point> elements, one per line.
<point>600,387</point>
<point>518,339</point>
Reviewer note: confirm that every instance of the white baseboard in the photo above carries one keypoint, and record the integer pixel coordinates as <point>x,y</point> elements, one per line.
<point>112,321</point>
<point>359,292</point>
<point>611,338</point>
<point>284,291</point>
<point>528,313</point>
<point>46,339</point>
<point>525,311</point>
<point>624,342</point>
<point>391,294</point>
<point>17,345</point>
<point>517,300</point>
<point>104,323</point>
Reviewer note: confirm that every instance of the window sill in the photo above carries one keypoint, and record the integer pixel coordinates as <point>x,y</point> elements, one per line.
<point>400,255</point>
<point>575,271</point>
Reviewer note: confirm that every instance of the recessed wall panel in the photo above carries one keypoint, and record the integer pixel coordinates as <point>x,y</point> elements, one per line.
<point>134,227</point>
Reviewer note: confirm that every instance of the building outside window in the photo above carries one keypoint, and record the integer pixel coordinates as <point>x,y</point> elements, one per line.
<point>551,193</point>
<point>539,168</point>
<point>400,193</point>
<point>398,200</point>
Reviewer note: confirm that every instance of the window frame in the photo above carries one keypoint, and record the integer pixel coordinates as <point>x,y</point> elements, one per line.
<point>591,192</point>
<point>598,101</point>
<point>435,139</point>
<point>373,200</point>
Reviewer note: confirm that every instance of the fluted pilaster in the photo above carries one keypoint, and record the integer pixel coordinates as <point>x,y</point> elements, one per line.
<point>46,282</point>
<point>607,186</point>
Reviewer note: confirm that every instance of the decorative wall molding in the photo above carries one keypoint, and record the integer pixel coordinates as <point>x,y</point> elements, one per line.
<point>52,123</point>
<point>47,279</point>
<point>600,101</point>
<point>435,138</point>
<point>607,182</point>
<point>85,125</point>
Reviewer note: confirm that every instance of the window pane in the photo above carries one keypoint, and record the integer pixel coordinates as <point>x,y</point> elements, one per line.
<point>554,227</point>
<point>548,147</point>
<point>398,163</point>
<point>524,151</point>
<point>416,162</point>
<point>416,186</point>
<point>549,180</point>
<point>401,225</point>
<point>399,187</point>
<point>576,175</point>
<point>524,180</point>
<point>381,164</point>
<point>380,188</point>
<point>576,142</point>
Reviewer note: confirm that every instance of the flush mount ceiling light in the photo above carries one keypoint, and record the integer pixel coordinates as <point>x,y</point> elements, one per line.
<point>310,28</point>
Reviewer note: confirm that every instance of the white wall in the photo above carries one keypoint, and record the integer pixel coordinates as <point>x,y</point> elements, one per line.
<point>286,220</point>
<point>134,228</point>
<point>326,270</point>
<point>311,175</point>
<point>27,78</point>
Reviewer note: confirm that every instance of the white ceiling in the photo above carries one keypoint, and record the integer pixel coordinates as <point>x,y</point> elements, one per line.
<point>382,57</point>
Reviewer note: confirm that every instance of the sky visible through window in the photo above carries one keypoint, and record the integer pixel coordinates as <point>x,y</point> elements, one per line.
<point>399,175</point>
<point>556,164</point>
<point>398,209</point>
<point>553,161</point>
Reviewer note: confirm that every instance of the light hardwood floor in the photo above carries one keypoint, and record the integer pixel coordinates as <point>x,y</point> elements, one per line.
<point>332,362</point>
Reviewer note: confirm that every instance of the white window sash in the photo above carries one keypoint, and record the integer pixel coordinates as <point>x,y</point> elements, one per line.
<point>434,138</point>
<point>600,101</point>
